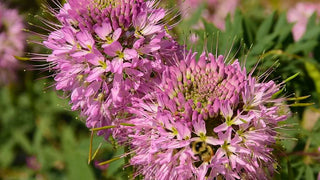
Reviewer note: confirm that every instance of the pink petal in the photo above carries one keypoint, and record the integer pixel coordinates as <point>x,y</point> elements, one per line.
<point>134,72</point>
<point>85,39</point>
<point>130,54</point>
<point>138,43</point>
<point>213,141</point>
<point>151,29</point>
<point>80,53</point>
<point>95,74</point>
<point>92,89</point>
<point>103,31</point>
<point>95,59</point>
<point>76,93</point>
<point>115,91</point>
<point>157,15</point>
<point>150,48</point>
<point>140,21</point>
<point>117,65</point>
<point>112,49</point>
<point>116,34</point>
<point>222,127</point>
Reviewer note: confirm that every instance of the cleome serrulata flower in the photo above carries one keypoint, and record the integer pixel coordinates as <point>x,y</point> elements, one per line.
<point>299,15</point>
<point>207,119</point>
<point>106,52</point>
<point>12,43</point>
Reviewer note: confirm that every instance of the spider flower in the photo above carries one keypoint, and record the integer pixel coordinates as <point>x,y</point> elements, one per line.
<point>216,11</point>
<point>207,119</point>
<point>300,15</point>
<point>105,52</point>
<point>12,43</point>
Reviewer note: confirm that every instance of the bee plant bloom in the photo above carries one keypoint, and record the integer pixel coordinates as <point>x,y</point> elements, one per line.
<point>207,119</point>
<point>300,15</point>
<point>12,43</point>
<point>216,10</point>
<point>105,52</point>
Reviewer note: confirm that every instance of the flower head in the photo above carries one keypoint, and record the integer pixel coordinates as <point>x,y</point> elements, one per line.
<point>12,43</point>
<point>208,119</point>
<point>300,15</point>
<point>106,52</point>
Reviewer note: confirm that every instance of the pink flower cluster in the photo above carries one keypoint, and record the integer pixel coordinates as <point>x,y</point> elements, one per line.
<point>216,10</point>
<point>300,15</point>
<point>12,43</point>
<point>180,118</point>
<point>207,119</point>
<point>106,52</point>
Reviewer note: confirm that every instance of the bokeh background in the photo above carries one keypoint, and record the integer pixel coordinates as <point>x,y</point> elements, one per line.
<point>41,138</point>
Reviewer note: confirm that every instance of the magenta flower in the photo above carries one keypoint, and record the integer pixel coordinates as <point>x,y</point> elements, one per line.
<point>106,52</point>
<point>12,43</point>
<point>207,119</point>
<point>300,15</point>
<point>33,163</point>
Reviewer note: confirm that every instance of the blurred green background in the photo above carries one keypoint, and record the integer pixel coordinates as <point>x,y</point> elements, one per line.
<point>41,138</point>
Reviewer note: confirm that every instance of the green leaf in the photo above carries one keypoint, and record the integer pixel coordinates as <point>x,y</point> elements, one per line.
<point>316,128</point>
<point>291,77</point>
<point>312,30</point>
<point>118,164</point>
<point>235,27</point>
<point>249,30</point>
<point>186,25</point>
<point>212,39</point>
<point>298,98</point>
<point>305,47</point>
<point>7,153</point>
<point>77,166</point>
<point>309,173</point>
<point>311,34</point>
<point>301,104</point>
<point>301,170</point>
<point>286,31</point>
<point>22,140</point>
<point>282,21</point>
<point>314,73</point>
<point>290,171</point>
<point>315,140</point>
<point>22,58</point>
<point>265,44</point>
<point>290,130</point>
<point>194,18</point>
<point>265,27</point>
